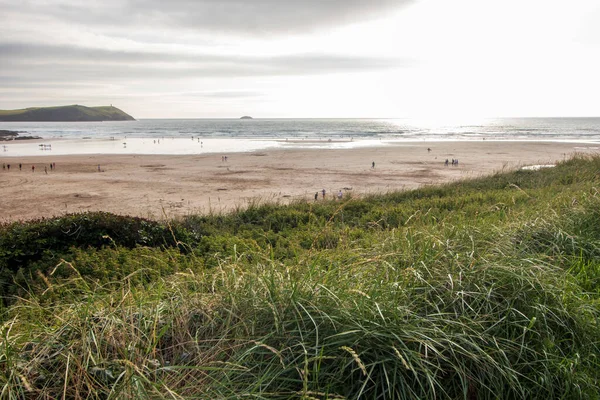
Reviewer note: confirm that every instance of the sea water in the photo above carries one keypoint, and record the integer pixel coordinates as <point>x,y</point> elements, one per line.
<point>197,136</point>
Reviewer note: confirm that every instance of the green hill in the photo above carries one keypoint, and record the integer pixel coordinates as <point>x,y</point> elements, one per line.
<point>479,289</point>
<point>66,114</point>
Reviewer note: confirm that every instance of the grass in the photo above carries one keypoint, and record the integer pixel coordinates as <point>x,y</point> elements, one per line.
<point>478,289</point>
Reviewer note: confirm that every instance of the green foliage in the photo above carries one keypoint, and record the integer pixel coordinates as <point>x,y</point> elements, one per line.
<point>478,289</point>
<point>26,248</point>
<point>22,243</point>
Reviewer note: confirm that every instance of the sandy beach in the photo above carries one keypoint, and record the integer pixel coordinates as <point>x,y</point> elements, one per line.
<point>159,186</point>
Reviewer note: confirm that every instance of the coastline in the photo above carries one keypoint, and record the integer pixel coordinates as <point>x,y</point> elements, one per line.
<point>172,185</point>
<point>196,145</point>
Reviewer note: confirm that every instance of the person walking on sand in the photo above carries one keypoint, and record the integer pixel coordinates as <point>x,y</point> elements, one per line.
<point>316,196</point>
<point>20,165</point>
<point>340,195</point>
<point>33,168</point>
<point>373,164</point>
<point>323,193</point>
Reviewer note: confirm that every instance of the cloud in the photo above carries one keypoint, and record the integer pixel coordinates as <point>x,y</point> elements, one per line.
<point>222,94</point>
<point>35,62</point>
<point>238,16</point>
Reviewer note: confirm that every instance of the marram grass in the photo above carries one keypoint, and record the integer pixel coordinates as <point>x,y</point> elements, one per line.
<point>474,290</point>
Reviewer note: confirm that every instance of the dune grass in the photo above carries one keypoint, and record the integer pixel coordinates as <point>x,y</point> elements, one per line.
<point>478,289</point>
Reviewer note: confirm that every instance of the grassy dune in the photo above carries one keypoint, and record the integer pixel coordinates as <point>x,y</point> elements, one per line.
<point>479,289</point>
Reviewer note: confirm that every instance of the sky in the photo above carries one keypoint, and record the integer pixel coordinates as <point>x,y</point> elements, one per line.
<point>432,59</point>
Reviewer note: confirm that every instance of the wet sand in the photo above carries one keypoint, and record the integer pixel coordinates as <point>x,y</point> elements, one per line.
<point>159,186</point>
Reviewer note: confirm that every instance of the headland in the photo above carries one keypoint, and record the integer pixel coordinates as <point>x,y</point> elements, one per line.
<point>69,113</point>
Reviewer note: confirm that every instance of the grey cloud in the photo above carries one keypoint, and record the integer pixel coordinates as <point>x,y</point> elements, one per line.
<point>241,16</point>
<point>229,94</point>
<point>31,63</point>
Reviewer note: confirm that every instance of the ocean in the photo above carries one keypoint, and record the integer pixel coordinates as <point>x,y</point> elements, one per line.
<point>193,136</point>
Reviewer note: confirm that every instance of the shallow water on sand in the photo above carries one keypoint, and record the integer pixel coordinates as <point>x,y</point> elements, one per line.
<point>172,136</point>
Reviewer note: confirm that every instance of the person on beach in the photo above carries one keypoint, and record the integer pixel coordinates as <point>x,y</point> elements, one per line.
<point>340,195</point>
<point>316,196</point>
<point>20,165</point>
<point>8,167</point>
<point>373,164</point>
<point>33,168</point>
<point>446,163</point>
<point>46,170</point>
<point>50,166</point>
<point>323,192</point>
<point>429,149</point>
<point>98,167</point>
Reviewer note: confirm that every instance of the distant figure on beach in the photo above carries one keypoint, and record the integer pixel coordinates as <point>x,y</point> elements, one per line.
<point>20,165</point>
<point>340,195</point>
<point>373,164</point>
<point>316,196</point>
<point>54,165</point>
<point>3,166</point>
<point>98,167</point>
<point>446,163</point>
<point>8,166</point>
<point>33,168</point>
<point>429,149</point>
<point>46,170</point>
<point>323,192</point>
<point>50,166</point>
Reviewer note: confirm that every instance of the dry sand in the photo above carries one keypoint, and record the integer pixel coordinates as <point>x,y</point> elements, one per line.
<point>170,186</point>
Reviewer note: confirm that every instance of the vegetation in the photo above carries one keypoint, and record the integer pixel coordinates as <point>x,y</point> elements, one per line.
<point>480,289</point>
<point>66,113</point>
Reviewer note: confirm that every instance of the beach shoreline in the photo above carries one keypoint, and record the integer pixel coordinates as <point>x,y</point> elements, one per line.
<point>168,186</point>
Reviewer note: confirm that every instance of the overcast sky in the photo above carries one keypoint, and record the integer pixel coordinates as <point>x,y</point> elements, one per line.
<point>309,58</point>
